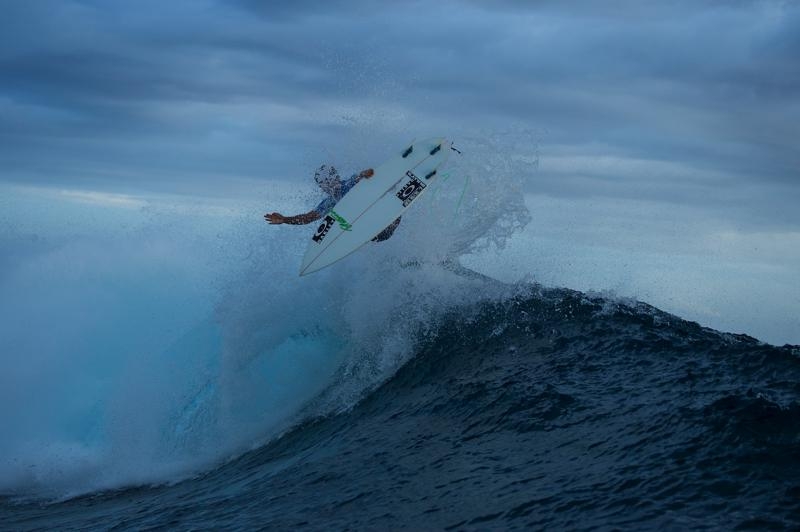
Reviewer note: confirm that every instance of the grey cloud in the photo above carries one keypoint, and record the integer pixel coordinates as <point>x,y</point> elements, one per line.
<point>713,86</point>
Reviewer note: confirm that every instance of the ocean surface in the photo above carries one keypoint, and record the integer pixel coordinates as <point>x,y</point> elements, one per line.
<point>163,366</point>
<point>546,409</point>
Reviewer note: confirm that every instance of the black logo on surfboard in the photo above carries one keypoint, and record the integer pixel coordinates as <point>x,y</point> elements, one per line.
<point>411,189</point>
<point>323,228</point>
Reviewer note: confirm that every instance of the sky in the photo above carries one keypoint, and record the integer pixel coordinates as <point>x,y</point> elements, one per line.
<point>682,100</point>
<point>682,106</point>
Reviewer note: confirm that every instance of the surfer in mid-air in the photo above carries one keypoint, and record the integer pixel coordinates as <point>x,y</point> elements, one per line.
<point>335,187</point>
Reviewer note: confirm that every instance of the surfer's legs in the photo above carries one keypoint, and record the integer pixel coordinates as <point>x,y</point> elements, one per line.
<point>386,233</point>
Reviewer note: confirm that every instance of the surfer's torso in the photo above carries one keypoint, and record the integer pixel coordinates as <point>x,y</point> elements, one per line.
<point>333,196</point>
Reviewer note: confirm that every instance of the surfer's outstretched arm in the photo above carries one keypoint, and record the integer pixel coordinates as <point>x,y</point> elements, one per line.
<point>276,218</point>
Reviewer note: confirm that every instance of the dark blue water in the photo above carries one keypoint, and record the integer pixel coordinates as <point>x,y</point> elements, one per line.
<point>549,410</point>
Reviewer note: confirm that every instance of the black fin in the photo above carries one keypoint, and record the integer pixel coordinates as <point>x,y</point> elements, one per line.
<point>437,148</point>
<point>409,150</point>
<point>430,175</point>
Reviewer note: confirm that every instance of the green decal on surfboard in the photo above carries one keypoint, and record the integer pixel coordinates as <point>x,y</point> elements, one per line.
<point>342,222</point>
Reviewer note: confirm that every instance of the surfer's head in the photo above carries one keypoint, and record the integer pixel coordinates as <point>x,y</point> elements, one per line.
<point>328,179</point>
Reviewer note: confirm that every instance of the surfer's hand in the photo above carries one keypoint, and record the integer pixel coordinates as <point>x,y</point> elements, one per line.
<point>274,218</point>
<point>369,172</point>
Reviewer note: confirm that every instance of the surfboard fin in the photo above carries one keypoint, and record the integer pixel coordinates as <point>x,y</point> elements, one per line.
<point>437,148</point>
<point>430,174</point>
<point>408,151</point>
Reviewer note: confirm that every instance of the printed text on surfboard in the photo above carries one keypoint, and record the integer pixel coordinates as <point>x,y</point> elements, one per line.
<point>411,189</point>
<point>323,228</point>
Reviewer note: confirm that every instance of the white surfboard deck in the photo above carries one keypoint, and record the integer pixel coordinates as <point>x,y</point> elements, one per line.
<point>374,203</point>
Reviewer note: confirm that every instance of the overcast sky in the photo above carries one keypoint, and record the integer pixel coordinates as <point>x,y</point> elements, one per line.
<point>683,101</point>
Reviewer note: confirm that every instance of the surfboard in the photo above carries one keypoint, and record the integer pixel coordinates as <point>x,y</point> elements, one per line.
<point>374,203</point>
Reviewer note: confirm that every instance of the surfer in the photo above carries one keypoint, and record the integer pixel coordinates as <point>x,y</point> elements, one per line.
<point>331,184</point>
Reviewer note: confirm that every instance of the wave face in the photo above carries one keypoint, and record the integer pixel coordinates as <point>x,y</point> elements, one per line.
<point>542,408</point>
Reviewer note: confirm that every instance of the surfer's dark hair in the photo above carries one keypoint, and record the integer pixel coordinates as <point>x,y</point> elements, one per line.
<point>326,174</point>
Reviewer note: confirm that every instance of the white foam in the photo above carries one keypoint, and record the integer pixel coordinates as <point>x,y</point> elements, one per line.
<point>146,339</point>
